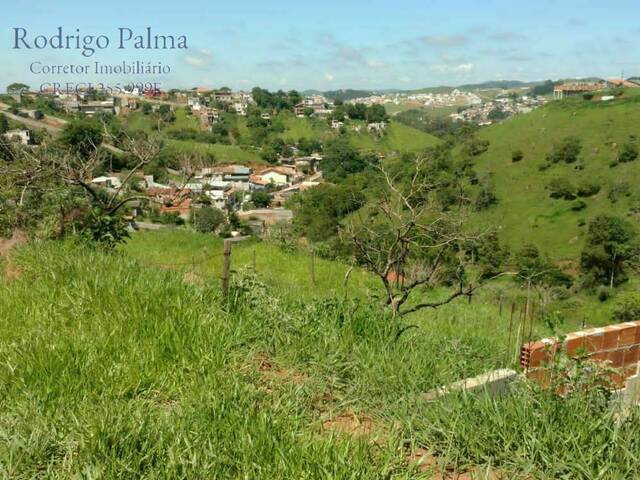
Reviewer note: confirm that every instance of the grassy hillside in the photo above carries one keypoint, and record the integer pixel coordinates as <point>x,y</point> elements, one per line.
<point>223,153</point>
<point>122,370</point>
<point>289,275</point>
<point>398,138</point>
<point>526,212</point>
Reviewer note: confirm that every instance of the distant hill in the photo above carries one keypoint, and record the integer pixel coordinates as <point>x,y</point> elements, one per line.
<point>503,84</point>
<point>525,211</point>
<point>348,94</point>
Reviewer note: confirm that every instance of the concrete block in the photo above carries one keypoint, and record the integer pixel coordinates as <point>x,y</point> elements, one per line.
<point>493,383</point>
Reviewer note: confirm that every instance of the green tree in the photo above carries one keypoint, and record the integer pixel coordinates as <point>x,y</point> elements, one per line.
<point>319,210</point>
<point>17,88</point>
<point>207,219</point>
<point>611,248</point>
<point>341,159</point>
<point>261,199</point>
<point>81,137</point>
<point>566,151</point>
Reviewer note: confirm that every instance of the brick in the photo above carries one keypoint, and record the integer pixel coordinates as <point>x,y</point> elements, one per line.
<point>610,338</point>
<point>627,334</point>
<point>575,345</point>
<point>631,355</point>
<point>594,339</point>
<point>615,357</point>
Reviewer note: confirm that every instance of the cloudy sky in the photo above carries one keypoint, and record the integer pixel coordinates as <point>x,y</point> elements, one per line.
<point>338,44</point>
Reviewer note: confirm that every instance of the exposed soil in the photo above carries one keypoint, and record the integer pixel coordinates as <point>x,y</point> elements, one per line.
<point>352,424</point>
<point>8,244</point>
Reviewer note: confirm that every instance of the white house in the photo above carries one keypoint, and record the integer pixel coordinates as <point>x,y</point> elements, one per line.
<point>23,136</point>
<point>108,182</point>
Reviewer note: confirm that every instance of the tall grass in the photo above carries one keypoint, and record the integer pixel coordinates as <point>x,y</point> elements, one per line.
<point>112,369</point>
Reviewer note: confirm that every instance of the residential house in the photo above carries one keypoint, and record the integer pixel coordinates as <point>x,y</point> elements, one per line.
<point>208,116</point>
<point>92,107</point>
<point>281,197</point>
<point>279,176</point>
<point>19,135</point>
<point>223,96</point>
<point>107,182</point>
<point>238,176</point>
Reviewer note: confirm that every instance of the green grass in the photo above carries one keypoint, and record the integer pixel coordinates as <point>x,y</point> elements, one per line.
<point>399,138</point>
<point>223,153</point>
<point>525,211</point>
<point>115,369</point>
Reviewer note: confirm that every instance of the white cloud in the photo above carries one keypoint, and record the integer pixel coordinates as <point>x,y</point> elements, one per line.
<point>328,76</point>
<point>200,58</point>
<point>194,61</point>
<point>461,68</point>
<point>404,79</point>
<point>375,63</point>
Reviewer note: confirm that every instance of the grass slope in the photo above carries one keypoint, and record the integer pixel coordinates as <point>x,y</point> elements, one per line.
<point>525,211</point>
<point>399,138</point>
<point>112,369</point>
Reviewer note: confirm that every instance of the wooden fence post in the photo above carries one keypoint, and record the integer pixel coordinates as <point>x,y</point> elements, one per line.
<point>313,266</point>
<point>226,266</point>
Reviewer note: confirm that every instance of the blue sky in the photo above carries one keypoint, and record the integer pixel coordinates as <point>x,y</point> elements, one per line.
<point>340,44</point>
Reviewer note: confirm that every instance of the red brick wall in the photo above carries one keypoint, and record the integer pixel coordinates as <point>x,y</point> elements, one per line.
<point>619,345</point>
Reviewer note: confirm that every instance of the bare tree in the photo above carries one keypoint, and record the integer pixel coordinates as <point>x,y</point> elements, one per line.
<point>414,246</point>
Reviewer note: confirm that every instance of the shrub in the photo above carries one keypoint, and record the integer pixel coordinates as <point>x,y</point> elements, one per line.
<point>628,152</point>
<point>207,219</point>
<point>605,293</point>
<point>517,156</point>
<point>627,307</point>
<point>566,151</point>
<point>578,205</point>
<point>619,189</point>
<point>562,188</point>
<point>587,188</point>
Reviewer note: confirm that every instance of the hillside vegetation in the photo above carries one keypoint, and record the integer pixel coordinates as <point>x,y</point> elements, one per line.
<point>526,212</point>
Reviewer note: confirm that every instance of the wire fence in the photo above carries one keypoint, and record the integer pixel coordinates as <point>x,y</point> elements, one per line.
<point>520,313</point>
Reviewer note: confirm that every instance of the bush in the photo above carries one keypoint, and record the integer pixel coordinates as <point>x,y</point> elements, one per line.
<point>619,189</point>
<point>517,156</point>
<point>207,219</point>
<point>566,151</point>
<point>578,205</point>
<point>562,188</point>
<point>628,152</point>
<point>627,307</point>
<point>587,188</point>
<point>605,293</point>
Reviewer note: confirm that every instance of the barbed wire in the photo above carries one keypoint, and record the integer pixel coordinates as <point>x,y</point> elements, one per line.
<point>191,262</point>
